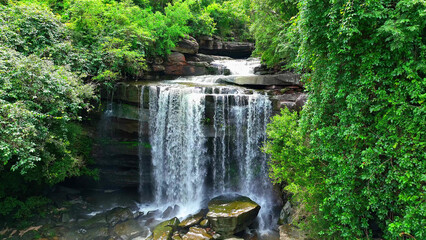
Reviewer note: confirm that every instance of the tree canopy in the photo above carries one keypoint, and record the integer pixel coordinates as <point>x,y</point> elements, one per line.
<point>365,121</point>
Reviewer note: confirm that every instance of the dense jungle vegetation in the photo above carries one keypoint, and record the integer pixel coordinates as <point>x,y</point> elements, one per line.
<point>54,55</point>
<point>353,158</point>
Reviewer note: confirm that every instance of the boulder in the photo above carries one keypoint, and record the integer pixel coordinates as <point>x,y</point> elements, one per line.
<point>285,79</point>
<point>177,65</point>
<point>196,233</point>
<point>193,219</point>
<point>187,45</point>
<point>164,230</point>
<point>65,218</point>
<point>150,214</point>
<point>151,223</point>
<point>96,221</point>
<point>118,214</point>
<point>277,105</point>
<point>170,211</point>
<point>263,70</point>
<point>176,58</point>
<point>230,214</point>
<point>129,230</point>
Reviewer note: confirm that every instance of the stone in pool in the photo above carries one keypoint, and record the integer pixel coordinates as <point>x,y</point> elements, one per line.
<point>230,214</point>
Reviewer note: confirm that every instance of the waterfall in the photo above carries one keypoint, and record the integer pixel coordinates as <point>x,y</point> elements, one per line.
<point>178,144</point>
<point>206,141</point>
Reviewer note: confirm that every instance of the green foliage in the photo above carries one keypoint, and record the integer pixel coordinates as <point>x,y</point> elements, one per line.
<point>274,27</point>
<point>29,28</point>
<point>37,100</point>
<point>26,209</point>
<point>112,34</point>
<point>232,19</point>
<point>37,143</point>
<point>201,23</point>
<point>110,40</point>
<point>289,153</point>
<point>157,5</point>
<point>366,118</point>
<point>169,27</point>
<point>48,46</point>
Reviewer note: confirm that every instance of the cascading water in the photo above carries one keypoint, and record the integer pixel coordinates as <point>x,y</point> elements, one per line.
<point>207,141</point>
<point>178,144</point>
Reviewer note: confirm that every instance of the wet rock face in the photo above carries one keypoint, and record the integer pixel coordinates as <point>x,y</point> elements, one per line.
<point>230,214</point>
<point>292,101</point>
<point>286,214</point>
<point>177,65</point>
<point>187,45</point>
<point>215,46</point>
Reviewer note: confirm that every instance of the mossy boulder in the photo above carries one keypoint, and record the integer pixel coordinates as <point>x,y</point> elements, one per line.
<point>230,214</point>
<point>196,233</point>
<point>193,219</point>
<point>164,230</point>
<point>176,236</point>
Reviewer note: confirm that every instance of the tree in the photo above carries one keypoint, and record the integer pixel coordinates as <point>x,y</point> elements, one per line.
<point>365,120</point>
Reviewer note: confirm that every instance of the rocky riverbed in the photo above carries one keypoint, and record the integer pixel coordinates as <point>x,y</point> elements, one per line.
<point>117,215</point>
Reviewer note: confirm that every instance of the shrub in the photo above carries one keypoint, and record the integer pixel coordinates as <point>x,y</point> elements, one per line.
<point>365,119</point>
<point>274,27</point>
<point>29,28</point>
